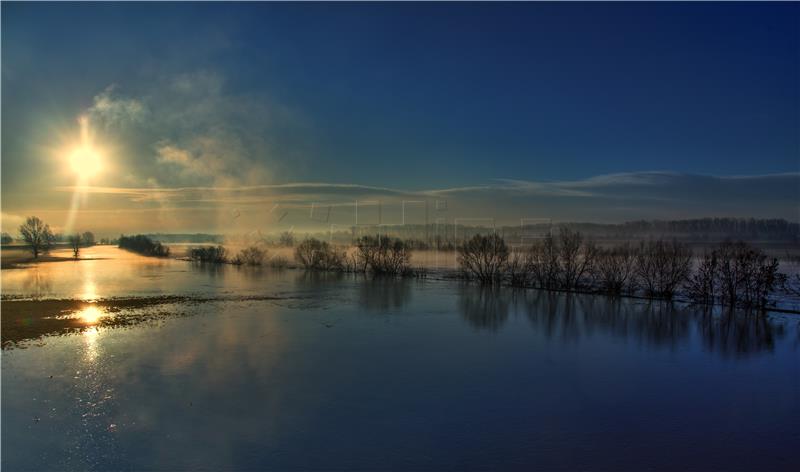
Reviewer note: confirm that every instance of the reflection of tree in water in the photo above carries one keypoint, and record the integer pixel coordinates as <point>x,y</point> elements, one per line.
<point>37,283</point>
<point>384,293</point>
<point>570,317</point>
<point>214,270</point>
<point>739,333</point>
<point>484,307</point>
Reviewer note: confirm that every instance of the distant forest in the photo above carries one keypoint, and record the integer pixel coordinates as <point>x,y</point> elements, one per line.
<point>438,234</point>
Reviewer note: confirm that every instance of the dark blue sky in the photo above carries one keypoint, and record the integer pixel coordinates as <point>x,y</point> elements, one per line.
<point>422,95</point>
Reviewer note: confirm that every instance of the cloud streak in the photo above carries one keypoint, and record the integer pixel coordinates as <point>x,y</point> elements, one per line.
<point>615,197</point>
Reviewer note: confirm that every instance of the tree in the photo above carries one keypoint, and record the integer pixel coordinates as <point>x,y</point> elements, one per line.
<point>286,239</point>
<point>88,238</point>
<point>6,238</point>
<point>484,258</point>
<point>75,243</point>
<point>37,234</point>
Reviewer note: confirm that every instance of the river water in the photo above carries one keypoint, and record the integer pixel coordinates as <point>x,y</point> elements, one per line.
<point>341,372</point>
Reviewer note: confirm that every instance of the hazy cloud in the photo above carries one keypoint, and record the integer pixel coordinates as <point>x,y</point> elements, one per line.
<point>619,197</point>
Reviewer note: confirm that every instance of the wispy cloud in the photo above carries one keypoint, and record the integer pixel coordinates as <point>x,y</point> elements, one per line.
<point>614,197</point>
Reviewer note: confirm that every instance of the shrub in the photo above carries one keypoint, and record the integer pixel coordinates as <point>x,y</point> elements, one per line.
<point>702,285</point>
<point>519,269</point>
<point>544,263</point>
<point>215,254</point>
<point>318,255</point>
<point>747,277</point>
<point>143,245</point>
<point>484,258</point>
<point>576,258</point>
<point>382,255</point>
<point>662,266</point>
<point>614,269</point>
<point>286,239</point>
<point>252,256</point>
<point>279,262</point>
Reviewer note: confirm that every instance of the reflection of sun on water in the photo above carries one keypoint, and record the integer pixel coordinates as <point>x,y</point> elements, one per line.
<point>89,291</point>
<point>91,315</point>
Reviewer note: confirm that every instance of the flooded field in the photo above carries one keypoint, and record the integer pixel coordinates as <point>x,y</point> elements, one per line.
<point>168,365</point>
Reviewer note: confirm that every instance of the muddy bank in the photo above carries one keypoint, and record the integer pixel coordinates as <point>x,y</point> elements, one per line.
<point>24,319</point>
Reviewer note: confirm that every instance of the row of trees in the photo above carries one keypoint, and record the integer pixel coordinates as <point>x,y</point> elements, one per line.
<point>143,245</point>
<point>39,238</point>
<point>379,255</point>
<point>734,274</point>
<point>249,256</point>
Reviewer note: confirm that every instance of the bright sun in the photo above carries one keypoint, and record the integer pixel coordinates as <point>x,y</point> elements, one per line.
<point>85,161</point>
<point>85,158</point>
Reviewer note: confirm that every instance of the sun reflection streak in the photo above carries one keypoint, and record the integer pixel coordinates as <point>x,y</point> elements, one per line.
<point>91,315</point>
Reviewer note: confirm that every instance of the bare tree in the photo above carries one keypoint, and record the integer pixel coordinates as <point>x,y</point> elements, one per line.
<point>37,234</point>
<point>318,255</point>
<point>747,277</point>
<point>614,269</point>
<point>662,266</point>
<point>544,263</point>
<point>286,239</point>
<point>252,256</point>
<point>703,284</point>
<point>383,255</point>
<point>484,258</point>
<point>87,238</point>
<point>576,258</point>
<point>75,241</point>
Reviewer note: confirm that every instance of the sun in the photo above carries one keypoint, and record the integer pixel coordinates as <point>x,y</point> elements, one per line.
<point>84,157</point>
<point>85,161</point>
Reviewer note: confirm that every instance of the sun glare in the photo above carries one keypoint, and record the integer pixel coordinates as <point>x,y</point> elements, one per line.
<point>85,161</point>
<point>84,158</point>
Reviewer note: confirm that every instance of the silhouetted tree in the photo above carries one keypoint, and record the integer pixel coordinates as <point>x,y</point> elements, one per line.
<point>614,269</point>
<point>37,234</point>
<point>286,239</point>
<point>484,258</point>
<point>252,256</point>
<point>75,241</point>
<point>319,255</point>
<point>87,238</point>
<point>6,238</point>
<point>383,255</point>
<point>662,266</point>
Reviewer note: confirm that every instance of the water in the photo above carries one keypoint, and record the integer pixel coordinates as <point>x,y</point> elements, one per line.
<point>346,373</point>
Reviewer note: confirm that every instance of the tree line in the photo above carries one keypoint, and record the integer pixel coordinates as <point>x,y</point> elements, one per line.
<point>732,274</point>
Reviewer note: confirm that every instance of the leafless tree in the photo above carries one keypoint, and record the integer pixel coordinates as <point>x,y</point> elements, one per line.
<point>87,238</point>
<point>252,256</point>
<point>544,264</point>
<point>703,284</point>
<point>37,234</point>
<point>662,266</point>
<point>484,258</point>
<point>286,239</point>
<point>576,258</point>
<point>319,255</point>
<point>614,269</point>
<point>75,241</point>
<point>383,255</point>
<point>747,277</point>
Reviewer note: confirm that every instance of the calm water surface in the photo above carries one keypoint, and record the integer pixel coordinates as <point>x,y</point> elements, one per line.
<point>346,373</point>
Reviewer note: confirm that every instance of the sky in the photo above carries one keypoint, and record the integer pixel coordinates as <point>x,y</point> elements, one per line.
<point>242,117</point>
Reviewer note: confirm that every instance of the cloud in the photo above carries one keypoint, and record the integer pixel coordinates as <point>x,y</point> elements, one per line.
<point>109,110</point>
<point>189,129</point>
<point>605,198</point>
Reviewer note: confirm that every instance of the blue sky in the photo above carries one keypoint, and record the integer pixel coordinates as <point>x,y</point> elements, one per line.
<point>405,96</point>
